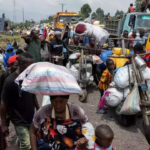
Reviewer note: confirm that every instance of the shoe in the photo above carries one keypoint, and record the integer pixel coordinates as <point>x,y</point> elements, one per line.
<point>101,111</point>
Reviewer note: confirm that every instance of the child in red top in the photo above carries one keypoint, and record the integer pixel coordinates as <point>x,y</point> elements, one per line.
<point>104,137</point>
<point>105,80</point>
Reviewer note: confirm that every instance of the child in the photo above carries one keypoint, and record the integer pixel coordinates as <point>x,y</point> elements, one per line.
<point>106,79</point>
<point>104,138</point>
<point>13,148</point>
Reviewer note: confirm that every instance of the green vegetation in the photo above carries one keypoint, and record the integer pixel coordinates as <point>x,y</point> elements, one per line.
<point>138,5</point>
<point>3,37</point>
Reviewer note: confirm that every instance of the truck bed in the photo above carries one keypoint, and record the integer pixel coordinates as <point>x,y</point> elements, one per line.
<point>114,27</point>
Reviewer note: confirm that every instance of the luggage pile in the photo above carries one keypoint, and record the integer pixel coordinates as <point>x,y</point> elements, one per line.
<point>121,93</point>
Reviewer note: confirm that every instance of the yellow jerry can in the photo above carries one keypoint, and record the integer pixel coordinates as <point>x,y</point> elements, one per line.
<point>148,44</point>
<point>117,51</point>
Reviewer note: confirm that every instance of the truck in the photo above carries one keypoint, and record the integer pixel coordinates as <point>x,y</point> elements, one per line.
<point>129,21</point>
<point>62,18</point>
<point>4,24</point>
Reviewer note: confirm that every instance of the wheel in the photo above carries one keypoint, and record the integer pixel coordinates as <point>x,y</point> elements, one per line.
<point>83,97</point>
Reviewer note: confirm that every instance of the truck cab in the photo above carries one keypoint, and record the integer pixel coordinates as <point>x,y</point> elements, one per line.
<point>130,21</point>
<point>62,18</point>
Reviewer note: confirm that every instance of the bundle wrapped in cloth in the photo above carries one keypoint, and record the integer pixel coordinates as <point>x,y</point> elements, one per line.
<point>90,30</point>
<point>48,79</point>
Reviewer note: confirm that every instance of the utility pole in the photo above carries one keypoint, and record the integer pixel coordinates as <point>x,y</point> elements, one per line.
<point>23,14</point>
<point>62,4</point>
<point>14,12</point>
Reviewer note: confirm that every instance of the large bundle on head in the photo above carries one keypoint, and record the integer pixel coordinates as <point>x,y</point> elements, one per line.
<point>89,30</point>
<point>48,79</point>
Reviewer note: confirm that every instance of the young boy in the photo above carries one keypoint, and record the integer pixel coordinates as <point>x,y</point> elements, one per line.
<point>105,80</point>
<point>107,76</point>
<point>104,137</point>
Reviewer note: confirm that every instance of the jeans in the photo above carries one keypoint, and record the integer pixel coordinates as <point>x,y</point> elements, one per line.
<point>23,137</point>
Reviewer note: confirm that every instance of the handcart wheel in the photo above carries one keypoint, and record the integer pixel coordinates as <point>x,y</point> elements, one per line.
<point>83,97</point>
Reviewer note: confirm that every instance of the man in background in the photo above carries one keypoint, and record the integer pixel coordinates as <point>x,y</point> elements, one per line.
<point>34,45</point>
<point>19,104</point>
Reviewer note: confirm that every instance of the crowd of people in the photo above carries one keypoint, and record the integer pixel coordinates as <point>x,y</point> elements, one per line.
<point>47,128</point>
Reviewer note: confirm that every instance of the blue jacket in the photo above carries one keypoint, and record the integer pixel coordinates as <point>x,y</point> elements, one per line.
<point>8,55</point>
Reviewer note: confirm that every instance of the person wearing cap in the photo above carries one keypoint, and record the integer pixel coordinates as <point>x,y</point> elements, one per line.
<point>19,104</point>
<point>13,65</point>
<point>58,125</point>
<point>56,49</point>
<point>9,52</point>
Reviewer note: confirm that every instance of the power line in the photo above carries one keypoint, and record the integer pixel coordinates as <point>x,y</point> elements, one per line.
<point>14,11</point>
<point>23,14</point>
<point>62,6</point>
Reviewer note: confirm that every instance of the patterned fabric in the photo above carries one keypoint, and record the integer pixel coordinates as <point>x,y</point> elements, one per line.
<point>105,78</point>
<point>34,48</point>
<point>3,143</point>
<point>23,134</point>
<point>76,113</point>
<point>60,133</point>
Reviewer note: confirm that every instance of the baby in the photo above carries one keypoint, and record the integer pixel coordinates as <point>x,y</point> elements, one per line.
<point>104,138</point>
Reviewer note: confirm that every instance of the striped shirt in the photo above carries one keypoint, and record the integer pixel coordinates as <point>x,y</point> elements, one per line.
<point>106,77</point>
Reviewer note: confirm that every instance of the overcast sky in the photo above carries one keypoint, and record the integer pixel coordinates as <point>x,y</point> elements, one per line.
<point>48,7</point>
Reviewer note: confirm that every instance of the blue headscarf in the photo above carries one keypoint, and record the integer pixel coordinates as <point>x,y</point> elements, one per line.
<point>8,55</point>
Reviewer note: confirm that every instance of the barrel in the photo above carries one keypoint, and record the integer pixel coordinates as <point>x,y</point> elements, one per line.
<point>104,57</point>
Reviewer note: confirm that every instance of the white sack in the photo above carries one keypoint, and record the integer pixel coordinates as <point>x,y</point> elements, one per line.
<point>99,33</point>
<point>115,97</point>
<point>121,78</point>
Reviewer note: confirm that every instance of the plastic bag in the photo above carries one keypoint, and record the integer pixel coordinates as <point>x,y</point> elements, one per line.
<point>146,73</point>
<point>46,100</point>
<point>74,72</point>
<point>48,79</point>
<point>89,132</point>
<point>97,60</point>
<point>131,104</point>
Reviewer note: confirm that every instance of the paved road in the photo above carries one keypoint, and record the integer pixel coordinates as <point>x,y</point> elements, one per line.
<point>125,138</point>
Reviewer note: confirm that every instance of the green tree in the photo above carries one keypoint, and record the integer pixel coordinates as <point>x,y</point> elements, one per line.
<point>138,5</point>
<point>99,15</point>
<point>119,13</point>
<point>86,10</point>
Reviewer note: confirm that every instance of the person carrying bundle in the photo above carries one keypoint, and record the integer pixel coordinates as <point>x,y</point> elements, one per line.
<point>58,125</point>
